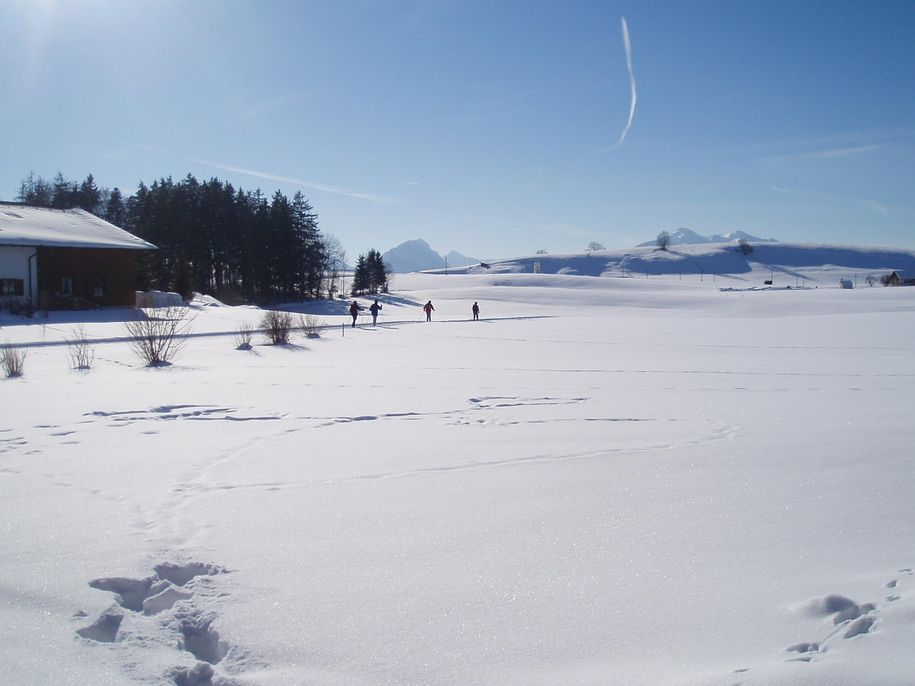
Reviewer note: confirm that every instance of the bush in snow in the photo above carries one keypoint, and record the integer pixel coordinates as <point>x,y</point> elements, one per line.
<point>158,334</point>
<point>12,360</point>
<point>277,326</point>
<point>663,240</point>
<point>243,336</point>
<point>310,326</point>
<point>81,353</point>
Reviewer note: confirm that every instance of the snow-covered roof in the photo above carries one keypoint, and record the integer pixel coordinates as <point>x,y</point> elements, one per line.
<point>28,225</point>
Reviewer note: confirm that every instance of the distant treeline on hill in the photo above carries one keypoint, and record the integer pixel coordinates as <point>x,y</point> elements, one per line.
<point>236,244</point>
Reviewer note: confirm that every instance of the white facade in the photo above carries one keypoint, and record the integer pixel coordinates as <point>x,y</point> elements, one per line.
<point>18,263</point>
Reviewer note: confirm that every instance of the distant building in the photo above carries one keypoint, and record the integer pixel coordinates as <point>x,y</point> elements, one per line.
<point>65,259</point>
<point>896,278</point>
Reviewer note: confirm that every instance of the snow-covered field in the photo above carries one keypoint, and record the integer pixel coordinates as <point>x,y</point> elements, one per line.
<point>604,481</point>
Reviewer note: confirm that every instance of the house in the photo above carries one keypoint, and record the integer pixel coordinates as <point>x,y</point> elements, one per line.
<point>64,259</point>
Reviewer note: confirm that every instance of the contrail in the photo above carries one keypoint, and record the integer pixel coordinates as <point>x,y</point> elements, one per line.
<point>370,197</point>
<point>628,47</point>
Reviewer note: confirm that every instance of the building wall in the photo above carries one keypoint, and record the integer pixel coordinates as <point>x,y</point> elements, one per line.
<point>94,277</point>
<point>14,264</point>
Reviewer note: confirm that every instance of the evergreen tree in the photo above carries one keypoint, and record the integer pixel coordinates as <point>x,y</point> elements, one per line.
<point>183,282</point>
<point>35,191</point>
<point>89,197</point>
<point>361,276</point>
<point>115,209</point>
<point>64,194</point>
<point>377,272</point>
<point>305,224</point>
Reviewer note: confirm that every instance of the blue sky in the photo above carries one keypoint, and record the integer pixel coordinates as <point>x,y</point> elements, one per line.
<point>482,126</point>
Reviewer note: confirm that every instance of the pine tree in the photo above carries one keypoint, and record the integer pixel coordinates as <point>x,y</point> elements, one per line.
<point>305,224</point>
<point>63,193</point>
<point>361,276</point>
<point>115,210</point>
<point>183,282</point>
<point>377,272</point>
<point>89,197</point>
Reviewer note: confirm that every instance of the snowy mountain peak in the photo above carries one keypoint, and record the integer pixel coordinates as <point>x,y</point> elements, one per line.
<point>684,236</point>
<point>417,255</point>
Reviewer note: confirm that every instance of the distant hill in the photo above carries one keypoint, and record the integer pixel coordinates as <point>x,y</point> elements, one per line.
<point>684,236</point>
<point>456,259</point>
<point>769,260</point>
<point>417,256</point>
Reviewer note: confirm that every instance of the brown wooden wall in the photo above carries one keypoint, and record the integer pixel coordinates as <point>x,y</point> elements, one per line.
<point>84,266</point>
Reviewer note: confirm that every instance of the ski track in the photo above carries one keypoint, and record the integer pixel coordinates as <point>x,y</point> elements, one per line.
<point>176,606</point>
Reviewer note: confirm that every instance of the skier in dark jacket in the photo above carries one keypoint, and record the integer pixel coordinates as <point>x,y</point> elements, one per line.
<point>428,309</point>
<point>354,311</point>
<point>374,308</point>
<point>476,311</point>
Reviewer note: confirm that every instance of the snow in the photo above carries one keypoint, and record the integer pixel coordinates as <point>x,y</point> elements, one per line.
<point>785,263</point>
<point>606,480</point>
<point>24,225</point>
<point>684,236</point>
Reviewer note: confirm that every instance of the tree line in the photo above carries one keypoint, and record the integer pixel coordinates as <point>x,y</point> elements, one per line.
<point>238,245</point>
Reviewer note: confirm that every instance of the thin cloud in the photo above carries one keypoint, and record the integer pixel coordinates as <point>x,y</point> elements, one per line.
<point>867,203</point>
<point>633,94</point>
<point>840,152</point>
<point>875,206</point>
<point>828,153</point>
<point>359,195</point>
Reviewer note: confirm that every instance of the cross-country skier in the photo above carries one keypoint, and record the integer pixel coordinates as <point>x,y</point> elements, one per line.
<point>428,309</point>
<point>354,311</point>
<point>476,311</point>
<point>374,308</point>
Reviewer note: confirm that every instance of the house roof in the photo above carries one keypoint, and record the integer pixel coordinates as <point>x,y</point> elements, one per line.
<point>27,225</point>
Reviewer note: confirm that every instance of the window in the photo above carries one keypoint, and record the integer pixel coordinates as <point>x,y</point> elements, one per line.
<point>12,287</point>
<point>66,285</point>
<point>97,286</point>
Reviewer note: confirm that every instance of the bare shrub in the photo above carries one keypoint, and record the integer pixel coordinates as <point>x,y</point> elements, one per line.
<point>244,334</point>
<point>277,326</point>
<point>663,240</point>
<point>12,360</point>
<point>81,353</point>
<point>310,326</point>
<point>158,334</point>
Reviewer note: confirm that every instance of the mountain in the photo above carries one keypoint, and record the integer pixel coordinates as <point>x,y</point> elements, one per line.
<point>417,256</point>
<point>412,256</point>
<point>684,236</point>
<point>785,263</point>
<point>456,259</point>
